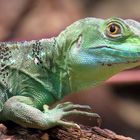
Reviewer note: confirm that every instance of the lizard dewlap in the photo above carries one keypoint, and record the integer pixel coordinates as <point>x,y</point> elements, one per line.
<point>35,74</point>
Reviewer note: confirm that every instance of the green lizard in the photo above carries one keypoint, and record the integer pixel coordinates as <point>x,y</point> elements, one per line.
<point>35,74</point>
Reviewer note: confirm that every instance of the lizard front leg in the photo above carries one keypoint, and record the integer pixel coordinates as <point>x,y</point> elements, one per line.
<point>20,110</point>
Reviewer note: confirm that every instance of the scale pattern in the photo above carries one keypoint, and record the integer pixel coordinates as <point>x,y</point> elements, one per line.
<point>5,55</point>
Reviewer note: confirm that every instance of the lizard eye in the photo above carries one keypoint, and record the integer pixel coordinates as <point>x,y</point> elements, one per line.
<point>113,30</point>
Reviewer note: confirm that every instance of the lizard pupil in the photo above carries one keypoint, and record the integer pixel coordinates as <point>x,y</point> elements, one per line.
<point>112,28</point>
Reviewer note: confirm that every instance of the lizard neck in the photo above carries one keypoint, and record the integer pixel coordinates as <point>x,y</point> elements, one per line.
<point>55,63</point>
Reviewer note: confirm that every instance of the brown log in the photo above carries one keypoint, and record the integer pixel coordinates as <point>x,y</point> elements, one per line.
<point>15,132</point>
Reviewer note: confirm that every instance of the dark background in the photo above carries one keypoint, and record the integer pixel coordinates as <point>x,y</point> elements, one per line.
<point>118,99</point>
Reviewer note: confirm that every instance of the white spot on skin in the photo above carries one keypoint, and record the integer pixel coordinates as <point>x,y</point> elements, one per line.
<point>36,61</point>
<point>13,61</point>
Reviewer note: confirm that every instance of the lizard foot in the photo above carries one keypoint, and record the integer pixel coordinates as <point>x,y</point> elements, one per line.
<point>65,109</point>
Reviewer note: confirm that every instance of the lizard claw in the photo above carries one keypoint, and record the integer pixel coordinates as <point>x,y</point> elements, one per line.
<point>68,124</point>
<point>65,109</point>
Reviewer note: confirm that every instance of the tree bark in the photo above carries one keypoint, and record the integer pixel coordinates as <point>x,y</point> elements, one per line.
<point>15,132</point>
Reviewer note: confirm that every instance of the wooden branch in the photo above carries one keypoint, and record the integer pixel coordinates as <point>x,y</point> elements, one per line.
<point>15,132</point>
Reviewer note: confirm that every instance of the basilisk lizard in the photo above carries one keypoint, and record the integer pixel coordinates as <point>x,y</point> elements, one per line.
<point>35,74</point>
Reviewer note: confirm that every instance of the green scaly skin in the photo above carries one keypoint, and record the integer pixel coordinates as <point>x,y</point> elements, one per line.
<point>36,74</point>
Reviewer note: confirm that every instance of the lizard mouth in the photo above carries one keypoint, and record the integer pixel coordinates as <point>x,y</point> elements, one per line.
<point>121,55</point>
<point>100,47</point>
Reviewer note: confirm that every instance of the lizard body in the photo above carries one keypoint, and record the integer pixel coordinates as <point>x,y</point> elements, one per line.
<point>38,72</point>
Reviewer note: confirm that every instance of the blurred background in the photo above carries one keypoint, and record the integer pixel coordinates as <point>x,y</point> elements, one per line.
<point>118,99</point>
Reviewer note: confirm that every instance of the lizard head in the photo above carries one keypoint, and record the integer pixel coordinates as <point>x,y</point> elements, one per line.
<point>102,48</point>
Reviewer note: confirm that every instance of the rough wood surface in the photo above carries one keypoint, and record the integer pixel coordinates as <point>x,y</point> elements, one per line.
<point>15,132</point>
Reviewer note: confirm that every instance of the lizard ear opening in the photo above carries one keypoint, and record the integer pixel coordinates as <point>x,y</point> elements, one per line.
<point>79,41</point>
